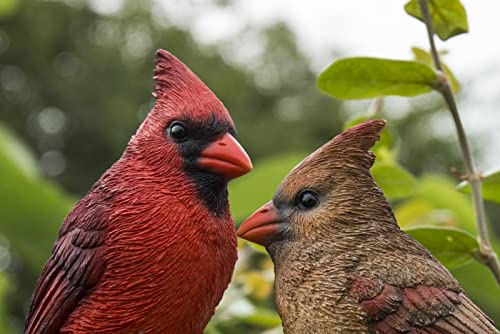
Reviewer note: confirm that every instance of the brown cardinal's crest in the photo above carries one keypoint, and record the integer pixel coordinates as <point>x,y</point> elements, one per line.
<point>351,145</point>
<point>346,154</point>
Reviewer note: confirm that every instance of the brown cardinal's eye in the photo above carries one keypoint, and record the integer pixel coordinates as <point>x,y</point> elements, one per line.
<point>177,131</point>
<point>307,199</point>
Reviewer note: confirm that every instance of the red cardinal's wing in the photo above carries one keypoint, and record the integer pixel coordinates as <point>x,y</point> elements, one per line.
<point>424,309</point>
<point>75,267</point>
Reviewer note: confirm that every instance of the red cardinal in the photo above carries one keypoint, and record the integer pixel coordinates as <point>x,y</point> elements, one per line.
<point>342,264</point>
<point>151,248</point>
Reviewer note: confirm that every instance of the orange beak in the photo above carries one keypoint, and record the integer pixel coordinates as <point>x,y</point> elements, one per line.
<point>225,157</point>
<point>262,227</point>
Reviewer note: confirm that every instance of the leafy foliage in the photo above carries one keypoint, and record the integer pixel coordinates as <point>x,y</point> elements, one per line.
<point>355,78</point>
<point>448,16</point>
<point>362,78</point>
<point>31,224</point>
<point>451,246</point>
<point>395,180</point>
<point>436,202</point>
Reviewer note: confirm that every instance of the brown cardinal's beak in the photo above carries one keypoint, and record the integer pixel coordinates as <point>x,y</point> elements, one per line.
<point>225,157</point>
<point>262,227</point>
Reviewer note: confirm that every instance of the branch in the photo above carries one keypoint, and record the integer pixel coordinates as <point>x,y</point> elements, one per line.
<point>488,255</point>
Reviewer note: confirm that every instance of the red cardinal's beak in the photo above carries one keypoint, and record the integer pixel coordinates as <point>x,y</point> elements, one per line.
<point>225,157</point>
<point>262,227</point>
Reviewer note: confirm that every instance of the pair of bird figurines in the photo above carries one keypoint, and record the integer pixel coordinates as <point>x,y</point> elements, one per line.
<point>152,246</point>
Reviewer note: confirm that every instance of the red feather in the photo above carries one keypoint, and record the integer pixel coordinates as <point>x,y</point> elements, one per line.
<point>74,269</point>
<point>424,309</point>
<point>142,252</point>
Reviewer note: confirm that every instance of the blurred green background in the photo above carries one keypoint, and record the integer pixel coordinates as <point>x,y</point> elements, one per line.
<point>75,83</point>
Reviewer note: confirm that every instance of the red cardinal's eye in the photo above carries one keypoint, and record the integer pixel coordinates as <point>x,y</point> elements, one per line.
<point>307,199</point>
<point>177,131</point>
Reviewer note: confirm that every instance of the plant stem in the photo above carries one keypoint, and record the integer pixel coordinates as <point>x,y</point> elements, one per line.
<point>375,107</point>
<point>488,255</point>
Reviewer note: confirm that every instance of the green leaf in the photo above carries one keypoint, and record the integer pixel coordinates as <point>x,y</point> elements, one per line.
<point>416,212</point>
<point>436,201</point>
<point>422,56</point>
<point>4,328</point>
<point>8,7</point>
<point>480,285</point>
<point>258,248</point>
<point>248,193</point>
<point>425,58</point>
<point>18,152</point>
<point>262,318</point>
<point>491,186</point>
<point>395,180</point>
<point>38,207</point>
<point>362,78</point>
<point>452,247</point>
<point>448,16</point>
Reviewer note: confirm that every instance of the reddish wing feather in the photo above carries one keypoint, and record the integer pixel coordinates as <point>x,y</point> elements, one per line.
<point>424,309</point>
<point>73,269</point>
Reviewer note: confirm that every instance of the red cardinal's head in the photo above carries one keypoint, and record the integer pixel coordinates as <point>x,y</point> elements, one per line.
<point>189,131</point>
<point>326,188</point>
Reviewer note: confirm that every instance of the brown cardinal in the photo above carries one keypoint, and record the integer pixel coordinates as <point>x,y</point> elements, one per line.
<point>342,264</point>
<point>151,248</point>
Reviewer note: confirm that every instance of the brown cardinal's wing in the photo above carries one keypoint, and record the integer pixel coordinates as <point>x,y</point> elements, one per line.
<point>75,267</point>
<point>424,309</point>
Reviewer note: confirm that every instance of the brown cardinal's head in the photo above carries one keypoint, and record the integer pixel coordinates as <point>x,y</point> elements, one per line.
<point>189,132</point>
<point>331,190</point>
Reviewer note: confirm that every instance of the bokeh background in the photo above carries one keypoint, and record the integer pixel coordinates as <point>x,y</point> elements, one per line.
<point>75,82</point>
